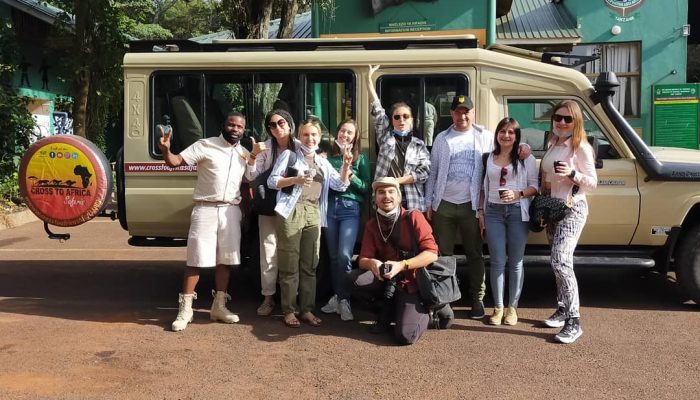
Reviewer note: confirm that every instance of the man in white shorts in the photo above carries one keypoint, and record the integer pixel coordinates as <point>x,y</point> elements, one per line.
<point>215,228</point>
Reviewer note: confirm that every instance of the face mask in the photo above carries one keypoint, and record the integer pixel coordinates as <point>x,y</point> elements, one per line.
<point>403,133</point>
<point>307,150</point>
<point>388,214</point>
<point>342,146</point>
<point>563,135</point>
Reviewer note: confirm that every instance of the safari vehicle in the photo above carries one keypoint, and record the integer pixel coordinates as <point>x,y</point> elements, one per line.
<point>645,211</point>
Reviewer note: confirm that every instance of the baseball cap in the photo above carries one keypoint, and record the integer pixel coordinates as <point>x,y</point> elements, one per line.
<point>462,101</point>
<point>386,181</point>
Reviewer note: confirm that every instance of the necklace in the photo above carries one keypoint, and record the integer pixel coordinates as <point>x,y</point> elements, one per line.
<point>379,227</point>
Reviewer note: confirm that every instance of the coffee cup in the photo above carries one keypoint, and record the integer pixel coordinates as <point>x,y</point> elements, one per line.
<point>557,164</point>
<point>502,191</point>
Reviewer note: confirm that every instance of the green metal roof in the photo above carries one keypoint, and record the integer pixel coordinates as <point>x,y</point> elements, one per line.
<point>537,22</point>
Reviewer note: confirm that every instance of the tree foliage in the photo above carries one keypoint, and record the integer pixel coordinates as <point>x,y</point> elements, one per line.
<point>16,123</point>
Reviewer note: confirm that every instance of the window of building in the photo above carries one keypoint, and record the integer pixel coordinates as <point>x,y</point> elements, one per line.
<point>624,60</point>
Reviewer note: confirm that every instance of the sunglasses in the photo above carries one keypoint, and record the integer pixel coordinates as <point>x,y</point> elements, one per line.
<point>567,118</point>
<point>504,172</point>
<point>397,117</point>
<point>274,124</point>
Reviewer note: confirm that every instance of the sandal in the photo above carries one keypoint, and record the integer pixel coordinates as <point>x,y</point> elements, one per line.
<point>291,321</point>
<point>311,319</point>
<point>266,308</point>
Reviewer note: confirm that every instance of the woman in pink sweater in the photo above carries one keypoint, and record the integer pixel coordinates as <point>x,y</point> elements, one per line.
<point>568,172</point>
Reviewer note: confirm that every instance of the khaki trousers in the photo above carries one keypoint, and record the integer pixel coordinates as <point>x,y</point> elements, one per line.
<point>298,240</point>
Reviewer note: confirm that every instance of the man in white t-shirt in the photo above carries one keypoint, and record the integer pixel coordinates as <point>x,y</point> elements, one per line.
<point>215,227</point>
<point>452,192</point>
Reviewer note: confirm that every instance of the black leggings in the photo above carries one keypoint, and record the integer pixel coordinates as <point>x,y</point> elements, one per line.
<point>410,315</point>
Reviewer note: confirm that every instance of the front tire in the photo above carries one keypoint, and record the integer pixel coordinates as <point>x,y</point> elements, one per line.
<point>688,263</point>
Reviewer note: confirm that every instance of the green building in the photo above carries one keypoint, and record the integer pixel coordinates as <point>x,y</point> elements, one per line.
<point>37,76</point>
<point>643,41</point>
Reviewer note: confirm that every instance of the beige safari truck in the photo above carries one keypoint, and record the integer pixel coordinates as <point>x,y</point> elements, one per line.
<point>644,213</point>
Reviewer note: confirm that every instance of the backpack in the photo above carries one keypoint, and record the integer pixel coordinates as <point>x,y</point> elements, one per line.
<point>264,198</point>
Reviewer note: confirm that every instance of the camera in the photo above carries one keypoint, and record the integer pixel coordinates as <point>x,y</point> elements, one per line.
<point>390,286</point>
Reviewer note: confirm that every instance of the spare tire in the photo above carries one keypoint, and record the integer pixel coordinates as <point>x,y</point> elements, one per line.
<point>65,180</point>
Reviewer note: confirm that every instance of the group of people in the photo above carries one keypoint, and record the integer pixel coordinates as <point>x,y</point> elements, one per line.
<point>473,182</point>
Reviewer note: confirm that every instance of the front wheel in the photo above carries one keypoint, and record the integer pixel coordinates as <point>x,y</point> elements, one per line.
<point>688,263</point>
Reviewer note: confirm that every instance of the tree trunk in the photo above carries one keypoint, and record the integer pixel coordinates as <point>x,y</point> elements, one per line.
<point>259,12</point>
<point>289,13</point>
<point>81,89</point>
<point>81,84</point>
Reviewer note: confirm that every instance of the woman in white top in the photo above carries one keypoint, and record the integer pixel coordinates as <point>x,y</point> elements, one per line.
<point>573,176</point>
<point>279,126</point>
<point>509,183</point>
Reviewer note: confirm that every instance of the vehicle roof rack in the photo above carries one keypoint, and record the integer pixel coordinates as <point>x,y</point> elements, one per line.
<point>248,45</point>
<point>556,59</point>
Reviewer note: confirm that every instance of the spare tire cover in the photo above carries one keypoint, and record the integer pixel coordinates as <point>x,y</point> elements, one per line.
<point>65,180</point>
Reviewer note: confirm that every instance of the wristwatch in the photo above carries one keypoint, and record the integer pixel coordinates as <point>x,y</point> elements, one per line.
<point>522,194</point>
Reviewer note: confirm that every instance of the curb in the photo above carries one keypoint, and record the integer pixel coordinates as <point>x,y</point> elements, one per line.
<point>16,219</point>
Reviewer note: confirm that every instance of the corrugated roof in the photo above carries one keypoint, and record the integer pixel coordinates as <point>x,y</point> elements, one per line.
<point>302,29</point>
<point>537,22</point>
<point>38,9</point>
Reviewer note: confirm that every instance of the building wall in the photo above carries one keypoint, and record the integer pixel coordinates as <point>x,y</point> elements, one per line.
<point>657,25</point>
<point>353,18</point>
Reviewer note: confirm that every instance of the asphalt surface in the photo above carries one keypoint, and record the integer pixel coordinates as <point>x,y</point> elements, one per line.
<point>89,319</point>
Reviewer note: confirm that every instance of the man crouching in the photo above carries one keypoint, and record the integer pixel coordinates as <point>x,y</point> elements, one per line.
<point>390,254</point>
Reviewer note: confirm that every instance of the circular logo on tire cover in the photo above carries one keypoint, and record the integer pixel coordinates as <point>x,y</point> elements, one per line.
<point>65,180</point>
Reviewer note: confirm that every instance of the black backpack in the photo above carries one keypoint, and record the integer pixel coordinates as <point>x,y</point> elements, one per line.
<point>264,198</point>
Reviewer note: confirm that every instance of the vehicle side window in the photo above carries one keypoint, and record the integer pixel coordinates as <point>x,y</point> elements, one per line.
<point>429,96</point>
<point>225,93</point>
<point>179,97</point>
<point>197,103</point>
<point>330,98</point>
<point>534,117</point>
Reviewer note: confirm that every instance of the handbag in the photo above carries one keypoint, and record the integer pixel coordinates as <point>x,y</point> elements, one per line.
<point>437,283</point>
<point>547,209</point>
<point>264,198</point>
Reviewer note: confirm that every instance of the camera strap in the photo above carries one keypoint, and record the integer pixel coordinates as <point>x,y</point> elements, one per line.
<point>396,234</point>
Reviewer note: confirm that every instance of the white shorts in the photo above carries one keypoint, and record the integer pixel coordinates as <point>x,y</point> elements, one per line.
<point>215,235</point>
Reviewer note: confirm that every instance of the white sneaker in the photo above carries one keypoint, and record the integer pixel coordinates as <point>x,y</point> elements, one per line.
<point>332,306</point>
<point>345,311</point>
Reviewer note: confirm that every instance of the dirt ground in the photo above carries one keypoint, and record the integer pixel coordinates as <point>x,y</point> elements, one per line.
<point>89,319</point>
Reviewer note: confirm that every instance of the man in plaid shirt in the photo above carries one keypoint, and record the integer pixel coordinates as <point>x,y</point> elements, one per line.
<point>401,155</point>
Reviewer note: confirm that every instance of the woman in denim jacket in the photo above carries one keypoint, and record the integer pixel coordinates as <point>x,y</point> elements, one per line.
<point>301,214</point>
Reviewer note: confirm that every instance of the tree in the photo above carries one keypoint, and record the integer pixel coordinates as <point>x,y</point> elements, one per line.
<point>289,12</point>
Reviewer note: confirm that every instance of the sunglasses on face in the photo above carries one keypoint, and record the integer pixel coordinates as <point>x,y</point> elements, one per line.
<point>567,118</point>
<point>504,172</point>
<point>398,117</point>
<point>274,124</point>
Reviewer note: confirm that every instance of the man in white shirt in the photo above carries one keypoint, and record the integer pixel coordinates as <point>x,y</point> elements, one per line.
<point>215,227</point>
<point>452,192</point>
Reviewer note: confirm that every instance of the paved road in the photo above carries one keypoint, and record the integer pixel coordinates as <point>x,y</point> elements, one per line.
<point>89,318</point>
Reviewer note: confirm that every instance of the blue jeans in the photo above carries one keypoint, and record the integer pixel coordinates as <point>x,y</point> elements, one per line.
<point>343,220</point>
<point>506,235</point>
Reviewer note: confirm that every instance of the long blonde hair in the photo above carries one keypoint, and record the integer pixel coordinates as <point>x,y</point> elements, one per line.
<point>578,133</point>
